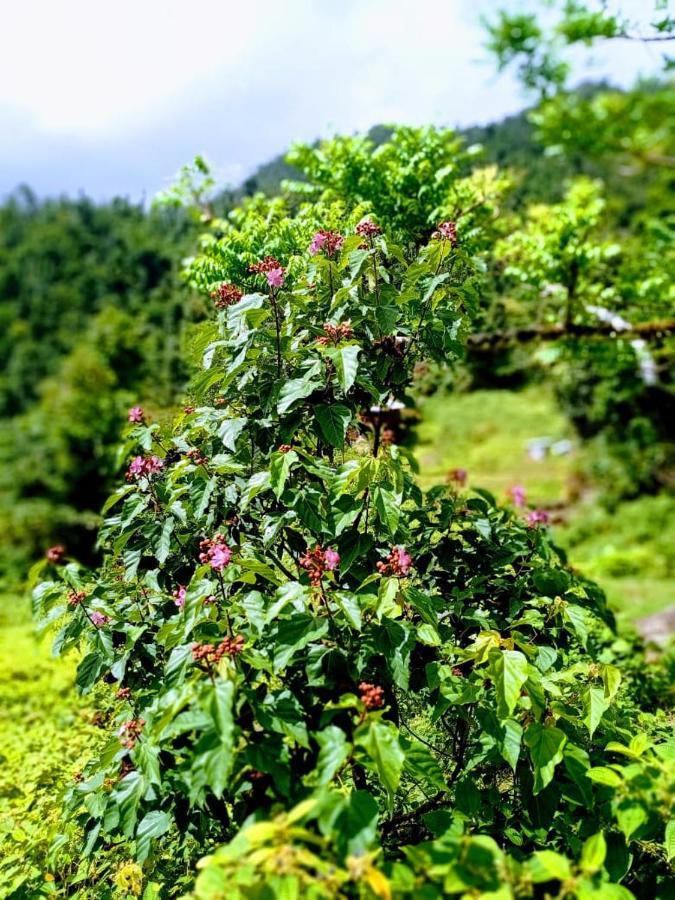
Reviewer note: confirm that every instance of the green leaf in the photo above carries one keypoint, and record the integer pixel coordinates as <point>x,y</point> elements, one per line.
<point>576,618</point>
<point>593,853</point>
<point>293,635</point>
<point>510,743</point>
<point>388,506</point>
<point>346,362</point>
<point>334,752</point>
<point>669,841</point>
<point>595,703</point>
<point>611,679</point>
<point>280,468</point>
<point>164,543</point>
<point>88,672</point>
<point>333,419</point>
<point>256,484</point>
<point>298,388</point>
<point>509,672</point>
<point>546,744</point>
<point>153,825</point>
<point>605,776</point>
<point>546,865</point>
<point>349,605</point>
<point>380,740</point>
<point>230,430</point>
<point>629,817</point>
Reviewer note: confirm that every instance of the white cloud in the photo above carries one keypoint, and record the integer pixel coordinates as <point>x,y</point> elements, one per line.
<point>138,83</point>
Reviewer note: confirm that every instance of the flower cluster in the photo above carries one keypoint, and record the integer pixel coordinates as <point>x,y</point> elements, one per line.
<point>329,241</point>
<point>372,695</point>
<point>458,476</point>
<point>188,410</point>
<point>55,554</point>
<point>447,231</point>
<point>318,561</point>
<point>537,517</point>
<point>226,295</point>
<point>334,334</point>
<point>285,448</point>
<point>517,495</point>
<point>130,732</point>
<point>229,646</point>
<point>144,467</point>
<point>272,269</point>
<point>398,563</point>
<point>124,693</point>
<point>368,228</point>
<point>136,414</point>
<point>99,619</point>
<point>179,596</point>
<point>197,456</point>
<point>215,552</point>
<point>76,597</point>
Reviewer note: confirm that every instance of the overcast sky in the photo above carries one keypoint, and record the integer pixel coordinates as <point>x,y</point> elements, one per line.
<point>113,98</point>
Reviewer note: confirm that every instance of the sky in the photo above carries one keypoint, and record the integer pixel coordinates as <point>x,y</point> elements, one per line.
<point>111,99</point>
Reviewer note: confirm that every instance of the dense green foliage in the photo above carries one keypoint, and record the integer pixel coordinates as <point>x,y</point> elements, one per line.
<point>310,661</point>
<point>92,313</point>
<point>310,651</point>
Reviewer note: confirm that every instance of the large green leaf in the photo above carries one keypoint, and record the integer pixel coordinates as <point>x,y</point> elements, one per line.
<point>333,419</point>
<point>230,430</point>
<point>509,672</point>
<point>298,388</point>
<point>546,744</point>
<point>595,703</point>
<point>280,468</point>
<point>385,756</point>
<point>346,363</point>
<point>153,825</point>
<point>334,752</point>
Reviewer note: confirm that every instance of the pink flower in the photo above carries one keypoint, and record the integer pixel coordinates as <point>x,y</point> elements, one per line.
<point>98,619</point>
<point>55,554</point>
<point>136,414</point>
<point>215,552</point>
<point>447,231</point>
<point>332,559</point>
<point>318,561</point>
<point>459,476</point>
<point>275,277</point>
<point>144,466</point>
<point>179,596</point>
<point>318,241</point>
<point>517,495</point>
<point>537,517</point>
<point>398,563</point>
<point>368,228</point>
<point>329,241</point>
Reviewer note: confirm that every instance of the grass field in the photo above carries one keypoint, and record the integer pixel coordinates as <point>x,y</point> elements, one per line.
<point>45,736</point>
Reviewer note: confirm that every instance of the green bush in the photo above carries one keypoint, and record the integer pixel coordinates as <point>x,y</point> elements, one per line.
<point>362,689</point>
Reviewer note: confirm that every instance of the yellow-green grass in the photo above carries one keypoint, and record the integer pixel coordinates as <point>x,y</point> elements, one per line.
<point>486,432</point>
<point>45,736</point>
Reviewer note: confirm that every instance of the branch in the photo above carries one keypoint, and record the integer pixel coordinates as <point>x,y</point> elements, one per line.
<point>489,341</point>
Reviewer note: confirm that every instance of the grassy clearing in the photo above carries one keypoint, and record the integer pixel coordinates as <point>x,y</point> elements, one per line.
<point>629,550</point>
<point>46,736</point>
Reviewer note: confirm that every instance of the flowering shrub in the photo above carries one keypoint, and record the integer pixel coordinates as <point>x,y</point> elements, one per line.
<point>314,659</point>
